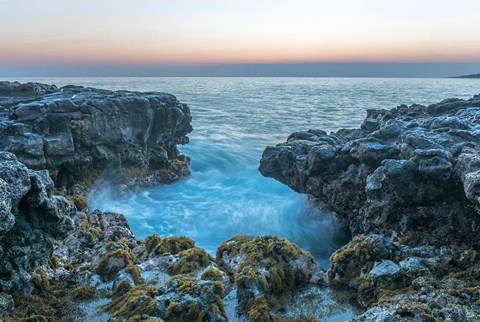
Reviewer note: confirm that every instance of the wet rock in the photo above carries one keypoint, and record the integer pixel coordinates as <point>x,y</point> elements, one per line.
<point>385,268</point>
<point>396,282</point>
<point>31,217</point>
<point>6,304</point>
<point>405,170</point>
<point>77,133</point>
<point>265,269</point>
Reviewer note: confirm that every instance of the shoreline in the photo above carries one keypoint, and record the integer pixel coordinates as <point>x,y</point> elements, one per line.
<point>100,255</point>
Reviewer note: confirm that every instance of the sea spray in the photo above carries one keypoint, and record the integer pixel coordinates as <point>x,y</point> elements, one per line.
<point>225,196</point>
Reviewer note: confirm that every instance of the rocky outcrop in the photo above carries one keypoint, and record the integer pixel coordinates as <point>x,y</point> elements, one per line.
<point>31,217</point>
<point>407,185</point>
<point>77,133</point>
<point>400,283</point>
<point>411,172</point>
<point>100,269</point>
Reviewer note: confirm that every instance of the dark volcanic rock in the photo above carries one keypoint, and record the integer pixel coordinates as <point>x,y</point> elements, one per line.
<point>76,133</point>
<point>30,218</point>
<point>410,171</point>
<point>396,282</point>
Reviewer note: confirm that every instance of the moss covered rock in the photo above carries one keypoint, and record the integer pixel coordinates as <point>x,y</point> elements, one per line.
<point>112,262</point>
<point>402,283</point>
<point>167,245</point>
<point>359,256</point>
<point>182,298</point>
<point>79,201</point>
<point>52,303</point>
<point>190,261</point>
<point>265,269</point>
<point>137,301</point>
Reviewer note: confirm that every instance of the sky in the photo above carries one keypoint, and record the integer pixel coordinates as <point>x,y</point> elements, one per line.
<point>203,36</point>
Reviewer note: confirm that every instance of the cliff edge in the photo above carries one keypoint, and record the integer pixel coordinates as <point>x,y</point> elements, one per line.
<point>77,133</point>
<point>411,172</point>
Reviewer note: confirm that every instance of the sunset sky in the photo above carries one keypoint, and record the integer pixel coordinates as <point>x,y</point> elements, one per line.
<point>129,33</point>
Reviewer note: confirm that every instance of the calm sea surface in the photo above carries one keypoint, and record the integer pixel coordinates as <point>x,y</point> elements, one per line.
<point>233,120</point>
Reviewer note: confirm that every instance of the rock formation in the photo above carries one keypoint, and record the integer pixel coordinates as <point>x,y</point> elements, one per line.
<point>31,217</point>
<point>397,282</point>
<point>410,171</point>
<point>76,133</point>
<point>407,185</point>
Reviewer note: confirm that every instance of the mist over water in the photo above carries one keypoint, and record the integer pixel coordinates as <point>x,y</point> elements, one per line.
<point>224,197</point>
<point>233,120</point>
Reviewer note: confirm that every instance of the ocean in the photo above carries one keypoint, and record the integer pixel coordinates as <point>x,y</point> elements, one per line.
<point>233,120</point>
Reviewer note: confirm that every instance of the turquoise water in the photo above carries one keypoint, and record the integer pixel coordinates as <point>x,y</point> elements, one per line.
<point>233,120</point>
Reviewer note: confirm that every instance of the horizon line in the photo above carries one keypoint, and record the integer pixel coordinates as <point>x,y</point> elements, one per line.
<point>304,69</point>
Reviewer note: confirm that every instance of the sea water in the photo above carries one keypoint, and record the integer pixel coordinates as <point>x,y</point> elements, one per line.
<point>233,120</point>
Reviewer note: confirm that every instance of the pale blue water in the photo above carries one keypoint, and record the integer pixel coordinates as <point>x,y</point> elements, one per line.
<point>233,120</point>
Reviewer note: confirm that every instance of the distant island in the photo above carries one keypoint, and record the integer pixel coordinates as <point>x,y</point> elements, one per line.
<point>468,76</point>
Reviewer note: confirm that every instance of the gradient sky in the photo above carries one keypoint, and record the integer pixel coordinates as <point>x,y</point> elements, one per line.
<point>89,33</point>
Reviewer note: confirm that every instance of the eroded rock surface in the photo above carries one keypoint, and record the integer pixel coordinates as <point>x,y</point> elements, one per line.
<point>31,217</point>
<point>410,171</point>
<point>401,283</point>
<point>407,185</point>
<point>76,133</point>
<point>99,271</point>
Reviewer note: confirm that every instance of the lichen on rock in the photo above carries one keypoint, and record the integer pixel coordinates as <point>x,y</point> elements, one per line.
<point>401,282</point>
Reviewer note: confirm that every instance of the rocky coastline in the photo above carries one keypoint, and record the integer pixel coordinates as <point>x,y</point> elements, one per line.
<point>406,185</point>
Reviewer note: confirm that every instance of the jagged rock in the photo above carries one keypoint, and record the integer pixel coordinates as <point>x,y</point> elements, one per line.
<point>397,282</point>
<point>6,304</point>
<point>385,268</point>
<point>411,172</point>
<point>77,133</point>
<point>30,218</point>
<point>161,277</point>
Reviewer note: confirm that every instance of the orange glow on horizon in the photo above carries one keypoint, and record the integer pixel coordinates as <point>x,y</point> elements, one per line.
<point>188,32</point>
<point>192,54</point>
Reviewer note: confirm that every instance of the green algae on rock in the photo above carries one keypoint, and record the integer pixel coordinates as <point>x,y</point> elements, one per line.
<point>167,245</point>
<point>190,260</point>
<point>182,298</point>
<point>264,269</point>
<point>406,283</point>
<point>112,262</point>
